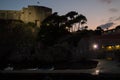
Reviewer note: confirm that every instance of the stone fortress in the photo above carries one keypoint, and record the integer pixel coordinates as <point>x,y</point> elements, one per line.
<point>34,14</point>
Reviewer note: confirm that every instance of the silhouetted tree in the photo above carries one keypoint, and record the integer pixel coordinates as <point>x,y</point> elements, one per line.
<point>75,18</point>
<point>81,19</point>
<point>71,15</point>
<point>117,27</point>
<point>99,31</point>
<point>55,26</point>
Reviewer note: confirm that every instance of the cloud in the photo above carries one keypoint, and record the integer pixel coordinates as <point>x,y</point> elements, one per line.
<point>107,25</point>
<point>106,1</point>
<point>117,19</point>
<point>113,10</point>
<point>111,19</point>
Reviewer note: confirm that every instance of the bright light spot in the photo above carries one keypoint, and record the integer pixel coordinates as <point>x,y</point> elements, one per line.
<point>109,47</point>
<point>97,71</point>
<point>95,46</point>
<point>117,46</point>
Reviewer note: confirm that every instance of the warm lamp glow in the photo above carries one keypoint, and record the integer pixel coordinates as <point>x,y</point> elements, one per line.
<point>109,47</point>
<point>95,46</point>
<point>117,46</point>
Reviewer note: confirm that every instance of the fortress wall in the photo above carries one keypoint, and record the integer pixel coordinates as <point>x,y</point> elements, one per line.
<point>10,14</point>
<point>35,14</point>
<point>27,15</point>
<point>3,14</point>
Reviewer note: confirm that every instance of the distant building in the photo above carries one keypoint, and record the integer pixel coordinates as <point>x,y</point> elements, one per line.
<point>35,14</point>
<point>103,45</point>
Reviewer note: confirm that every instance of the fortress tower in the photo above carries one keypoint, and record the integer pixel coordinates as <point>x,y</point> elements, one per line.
<point>35,14</point>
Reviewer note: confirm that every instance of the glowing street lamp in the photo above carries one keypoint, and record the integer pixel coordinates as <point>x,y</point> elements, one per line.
<point>95,46</point>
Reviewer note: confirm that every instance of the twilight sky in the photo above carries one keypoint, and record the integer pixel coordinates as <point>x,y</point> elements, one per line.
<point>98,12</point>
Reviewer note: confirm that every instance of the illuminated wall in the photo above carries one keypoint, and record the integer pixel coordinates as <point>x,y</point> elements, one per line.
<point>35,14</point>
<point>10,14</point>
